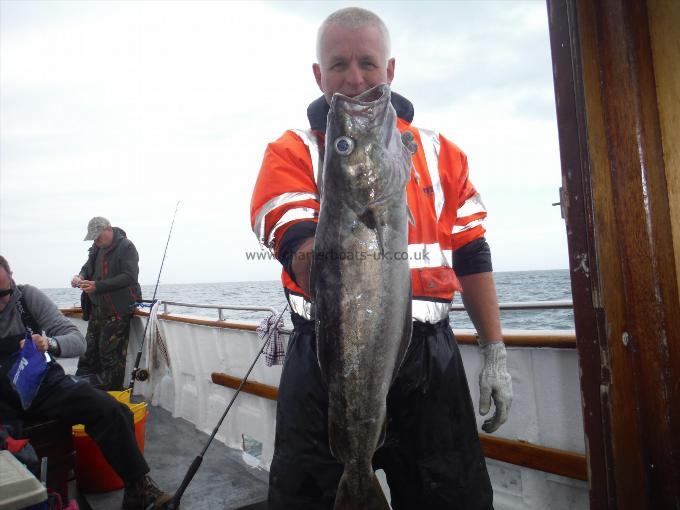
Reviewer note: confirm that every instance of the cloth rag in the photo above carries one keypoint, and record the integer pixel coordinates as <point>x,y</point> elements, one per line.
<point>274,352</point>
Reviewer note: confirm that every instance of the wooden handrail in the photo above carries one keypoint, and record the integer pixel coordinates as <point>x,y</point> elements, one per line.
<point>542,458</point>
<point>520,453</point>
<point>556,339</point>
<point>254,388</point>
<point>206,322</point>
<point>71,312</point>
<point>201,322</point>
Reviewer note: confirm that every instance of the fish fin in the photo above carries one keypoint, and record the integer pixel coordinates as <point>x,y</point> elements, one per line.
<point>321,358</point>
<point>381,240</point>
<point>333,439</point>
<point>372,498</point>
<point>383,434</point>
<point>368,217</point>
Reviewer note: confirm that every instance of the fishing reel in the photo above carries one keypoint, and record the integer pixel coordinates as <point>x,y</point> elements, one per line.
<point>140,374</point>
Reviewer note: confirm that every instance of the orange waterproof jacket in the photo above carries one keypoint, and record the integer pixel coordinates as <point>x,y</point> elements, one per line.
<point>447,209</point>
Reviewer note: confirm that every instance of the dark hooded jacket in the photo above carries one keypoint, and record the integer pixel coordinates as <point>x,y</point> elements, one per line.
<point>116,278</point>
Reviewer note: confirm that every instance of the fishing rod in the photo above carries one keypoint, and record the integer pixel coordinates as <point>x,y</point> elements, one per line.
<point>173,504</point>
<point>136,372</point>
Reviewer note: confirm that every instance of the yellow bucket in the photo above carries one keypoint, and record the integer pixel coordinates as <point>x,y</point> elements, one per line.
<point>93,472</point>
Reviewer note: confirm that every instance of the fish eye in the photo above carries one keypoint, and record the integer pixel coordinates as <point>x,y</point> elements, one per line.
<point>344,145</point>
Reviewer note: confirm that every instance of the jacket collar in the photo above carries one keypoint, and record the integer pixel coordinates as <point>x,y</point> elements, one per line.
<point>317,111</point>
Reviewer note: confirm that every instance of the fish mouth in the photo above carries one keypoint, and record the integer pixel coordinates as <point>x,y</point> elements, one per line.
<point>371,96</point>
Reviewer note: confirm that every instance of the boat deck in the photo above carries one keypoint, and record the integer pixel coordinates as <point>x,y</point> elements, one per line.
<point>223,482</point>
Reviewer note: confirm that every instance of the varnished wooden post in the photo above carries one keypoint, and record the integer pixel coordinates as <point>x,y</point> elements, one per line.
<point>577,204</point>
<point>624,196</point>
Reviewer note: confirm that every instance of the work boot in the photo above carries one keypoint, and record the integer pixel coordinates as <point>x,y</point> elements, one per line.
<point>142,493</point>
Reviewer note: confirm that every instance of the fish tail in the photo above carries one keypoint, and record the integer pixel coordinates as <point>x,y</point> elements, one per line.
<point>370,497</point>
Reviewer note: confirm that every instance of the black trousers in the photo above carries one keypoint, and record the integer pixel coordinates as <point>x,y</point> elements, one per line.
<point>432,456</point>
<point>108,422</point>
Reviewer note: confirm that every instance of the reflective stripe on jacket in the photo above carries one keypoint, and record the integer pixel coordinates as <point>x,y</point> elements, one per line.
<point>447,210</point>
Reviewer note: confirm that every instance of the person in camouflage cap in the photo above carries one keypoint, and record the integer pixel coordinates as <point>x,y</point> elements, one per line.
<point>109,283</point>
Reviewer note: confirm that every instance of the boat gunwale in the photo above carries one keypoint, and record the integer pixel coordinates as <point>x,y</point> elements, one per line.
<point>517,452</point>
<point>523,338</point>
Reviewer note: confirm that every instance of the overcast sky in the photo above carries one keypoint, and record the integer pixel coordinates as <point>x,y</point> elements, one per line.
<point>121,109</point>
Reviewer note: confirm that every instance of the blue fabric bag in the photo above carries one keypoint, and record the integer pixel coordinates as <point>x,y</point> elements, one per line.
<point>28,371</point>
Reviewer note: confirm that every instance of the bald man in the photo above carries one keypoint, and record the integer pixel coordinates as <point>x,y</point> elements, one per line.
<point>431,454</point>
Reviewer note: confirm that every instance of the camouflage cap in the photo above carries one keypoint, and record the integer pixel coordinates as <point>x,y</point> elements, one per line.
<point>95,227</point>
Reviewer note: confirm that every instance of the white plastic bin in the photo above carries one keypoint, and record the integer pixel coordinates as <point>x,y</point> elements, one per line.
<point>18,487</point>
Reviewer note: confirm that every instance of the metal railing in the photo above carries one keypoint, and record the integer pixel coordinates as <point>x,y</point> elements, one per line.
<point>456,307</point>
<point>525,305</point>
<point>557,338</point>
<point>219,308</point>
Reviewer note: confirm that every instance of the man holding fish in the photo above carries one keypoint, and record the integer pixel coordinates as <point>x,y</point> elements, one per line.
<point>376,225</point>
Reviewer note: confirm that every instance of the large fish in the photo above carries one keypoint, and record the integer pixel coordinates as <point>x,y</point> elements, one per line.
<point>361,282</point>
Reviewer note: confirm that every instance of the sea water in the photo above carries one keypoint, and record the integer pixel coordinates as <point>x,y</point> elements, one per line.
<point>512,286</point>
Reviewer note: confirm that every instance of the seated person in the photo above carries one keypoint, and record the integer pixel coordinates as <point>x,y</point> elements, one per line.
<point>108,422</point>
